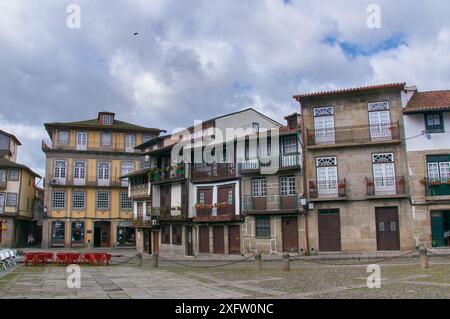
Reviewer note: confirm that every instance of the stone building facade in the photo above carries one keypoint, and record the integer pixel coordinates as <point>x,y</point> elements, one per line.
<point>355,170</point>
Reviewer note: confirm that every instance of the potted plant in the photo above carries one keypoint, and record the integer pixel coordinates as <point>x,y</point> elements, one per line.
<point>180,169</point>
<point>342,185</point>
<point>448,181</point>
<point>156,174</point>
<point>436,182</point>
<point>370,182</point>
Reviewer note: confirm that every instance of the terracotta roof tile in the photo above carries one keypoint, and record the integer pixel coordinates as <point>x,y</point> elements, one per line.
<point>351,90</point>
<point>428,101</point>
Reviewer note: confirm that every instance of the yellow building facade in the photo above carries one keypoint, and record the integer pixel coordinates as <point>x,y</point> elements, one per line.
<point>17,195</point>
<point>86,201</point>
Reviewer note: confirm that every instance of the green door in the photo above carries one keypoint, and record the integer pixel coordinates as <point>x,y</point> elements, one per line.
<point>437,229</point>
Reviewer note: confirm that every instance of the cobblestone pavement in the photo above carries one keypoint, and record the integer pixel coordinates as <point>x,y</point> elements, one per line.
<point>399,280</point>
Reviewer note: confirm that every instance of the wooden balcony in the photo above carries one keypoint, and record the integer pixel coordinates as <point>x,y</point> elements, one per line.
<point>145,222</point>
<point>167,175</point>
<point>353,135</point>
<point>215,213</point>
<point>212,172</point>
<point>170,213</point>
<point>386,187</point>
<point>329,190</point>
<point>141,190</point>
<point>437,189</point>
<point>286,161</point>
<point>271,204</point>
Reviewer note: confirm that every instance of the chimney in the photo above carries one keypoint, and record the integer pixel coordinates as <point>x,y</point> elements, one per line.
<point>407,94</point>
<point>293,121</point>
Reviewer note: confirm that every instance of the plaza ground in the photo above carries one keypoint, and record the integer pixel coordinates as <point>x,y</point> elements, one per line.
<point>175,279</point>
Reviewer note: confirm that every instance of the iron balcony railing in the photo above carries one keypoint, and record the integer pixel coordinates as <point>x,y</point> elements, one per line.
<point>356,134</point>
<point>285,161</point>
<point>437,186</point>
<point>143,221</point>
<point>386,186</point>
<point>271,203</point>
<point>93,146</point>
<point>327,189</point>
<point>88,181</point>
<point>211,172</point>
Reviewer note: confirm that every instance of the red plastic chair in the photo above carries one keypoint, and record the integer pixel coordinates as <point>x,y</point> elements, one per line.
<point>73,258</point>
<point>40,257</point>
<point>101,259</point>
<point>89,258</point>
<point>29,258</point>
<point>49,257</point>
<point>61,258</point>
<point>108,258</point>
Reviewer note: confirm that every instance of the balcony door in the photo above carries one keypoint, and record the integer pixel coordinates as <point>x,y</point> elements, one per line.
<point>81,141</point>
<point>103,173</point>
<point>324,125</point>
<point>79,173</point>
<point>226,200</point>
<point>130,143</point>
<point>379,121</point>
<point>126,168</point>
<point>165,200</point>
<point>60,172</point>
<point>384,174</point>
<point>327,177</point>
<point>204,198</point>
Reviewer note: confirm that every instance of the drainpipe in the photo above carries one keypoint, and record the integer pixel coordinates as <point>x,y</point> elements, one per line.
<point>305,189</point>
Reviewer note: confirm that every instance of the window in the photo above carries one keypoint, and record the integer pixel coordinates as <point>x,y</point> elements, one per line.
<point>165,234</point>
<point>126,168</point>
<point>140,209</point>
<point>125,202</point>
<point>287,186</point>
<point>324,125</point>
<point>289,145</point>
<point>11,199</point>
<point>3,176</point>
<point>149,208</point>
<point>78,200</point>
<point>60,169</point>
<point>130,142</point>
<point>106,139</point>
<point>63,137</point>
<point>13,174</point>
<point>78,232</point>
<point>106,119</point>
<point>102,200</point>
<point>434,122</point>
<point>259,187</point>
<point>59,200</point>
<point>256,127</point>
<point>439,168</point>
<point>79,170</point>
<point>103,170</point>
<point>262,226</point>
<point>58,231</point>
<point>176,234</point>
<point>327,176</point>
<point>146,138</point>
<point>383,167</point>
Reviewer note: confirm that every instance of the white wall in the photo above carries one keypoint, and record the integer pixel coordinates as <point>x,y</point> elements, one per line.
<point>415,125</point>
<point>175,195</point>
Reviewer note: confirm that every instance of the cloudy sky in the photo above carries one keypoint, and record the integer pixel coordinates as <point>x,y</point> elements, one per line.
<point>198,59</point>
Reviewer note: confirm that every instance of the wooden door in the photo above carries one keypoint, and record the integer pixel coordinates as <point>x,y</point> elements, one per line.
<point>204,197</point>
<point>155,240</point>
<point>226,195</point>
<point>189,242</point>
<point>203,239</point>
<point>234,239</point>
<point>218,240</point>
<point>388,235</point>
<point>329,230</point>
<point>290,234</point>
<point>165,198</point>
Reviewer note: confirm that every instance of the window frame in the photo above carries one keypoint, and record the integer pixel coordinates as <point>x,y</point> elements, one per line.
<point>259,187</point>
<point>289,189</point>
<point>10,178</point>
<point>73,200</point>
<point>285,145</point>
<point>102,140</point>
<point>262,231</point>
<point>177,237</point>
<point>64,199</point>
<point>434,128</point>
<point>128,199</point>
<point>165,234</point>
<point>8,199</point>
<point>60,140</point>
<point>97,200</point>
